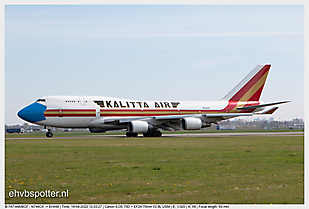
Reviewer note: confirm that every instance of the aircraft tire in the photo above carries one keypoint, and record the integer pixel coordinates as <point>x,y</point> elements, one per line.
<point>49,134</point>
<point>153,134</point>
<point>129,134</point>
<point>134,134</point>
<point>146,135</point>
<point>157,134</point>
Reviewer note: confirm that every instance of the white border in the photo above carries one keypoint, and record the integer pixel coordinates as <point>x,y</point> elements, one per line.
<point>149,2</point>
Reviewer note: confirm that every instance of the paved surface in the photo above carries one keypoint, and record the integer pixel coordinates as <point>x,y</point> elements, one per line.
<point>235,134</point>
<point>183,135</point>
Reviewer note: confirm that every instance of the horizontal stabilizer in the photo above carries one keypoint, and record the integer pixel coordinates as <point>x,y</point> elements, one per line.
<point>270,111</point>
<point>262,105</point>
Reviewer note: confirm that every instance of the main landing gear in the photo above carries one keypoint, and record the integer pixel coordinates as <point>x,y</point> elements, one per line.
<point>129,134</point>
<point>49,134</point>
<point>155,133</point>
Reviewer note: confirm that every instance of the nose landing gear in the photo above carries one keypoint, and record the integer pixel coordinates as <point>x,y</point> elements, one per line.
<point>49,134</point>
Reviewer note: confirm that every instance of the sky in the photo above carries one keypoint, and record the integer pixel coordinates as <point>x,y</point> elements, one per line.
<point>152,52</point>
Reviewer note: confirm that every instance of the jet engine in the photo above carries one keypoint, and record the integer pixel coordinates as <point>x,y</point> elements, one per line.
<point>137,126</point>
<point>193,124</point>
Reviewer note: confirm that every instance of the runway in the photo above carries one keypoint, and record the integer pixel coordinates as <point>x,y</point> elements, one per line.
<point>235,134</point>
<point>175,135</point>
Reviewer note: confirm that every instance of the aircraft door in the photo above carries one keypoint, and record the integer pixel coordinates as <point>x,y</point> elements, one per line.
<point>82,101</point>
<point>60,113</point>
<point>97,109</point>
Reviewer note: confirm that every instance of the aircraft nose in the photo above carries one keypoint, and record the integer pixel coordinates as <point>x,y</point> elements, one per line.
<point>33,113</point>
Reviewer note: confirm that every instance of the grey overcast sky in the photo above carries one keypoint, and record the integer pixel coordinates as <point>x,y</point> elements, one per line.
<point>152,52</point>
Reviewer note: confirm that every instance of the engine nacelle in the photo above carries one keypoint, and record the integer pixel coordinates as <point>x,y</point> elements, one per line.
<point>97,130</point>
<point>191,123</point>
<point>137,126</point>
<point>194,124</point>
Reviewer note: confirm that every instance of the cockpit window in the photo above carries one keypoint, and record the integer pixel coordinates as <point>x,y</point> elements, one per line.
<point>40,100</point>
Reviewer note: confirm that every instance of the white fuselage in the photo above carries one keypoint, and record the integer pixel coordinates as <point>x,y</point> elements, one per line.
<point>82,111</point>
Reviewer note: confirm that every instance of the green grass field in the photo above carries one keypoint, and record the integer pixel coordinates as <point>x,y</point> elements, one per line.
<point>259,169</point>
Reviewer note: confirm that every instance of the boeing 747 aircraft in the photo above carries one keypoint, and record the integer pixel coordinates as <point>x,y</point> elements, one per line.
<point>101,114</point>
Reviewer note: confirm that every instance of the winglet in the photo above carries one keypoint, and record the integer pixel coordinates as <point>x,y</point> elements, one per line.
<point>251,87</point>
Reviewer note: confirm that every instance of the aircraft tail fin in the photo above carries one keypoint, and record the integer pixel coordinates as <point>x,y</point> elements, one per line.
<point>251,87</point>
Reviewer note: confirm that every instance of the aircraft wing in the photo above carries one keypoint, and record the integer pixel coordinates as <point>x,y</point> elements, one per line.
<point>219,115</point>
<point>227,115</point>
<point>115,120</point>
<point>224,116</point>
<point>173,117</point>
<point>167,122</point>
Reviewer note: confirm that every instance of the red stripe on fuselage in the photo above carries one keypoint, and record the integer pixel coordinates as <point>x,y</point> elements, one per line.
<point>70,113</point>
<point>70,110</point>
<point>140,112</point>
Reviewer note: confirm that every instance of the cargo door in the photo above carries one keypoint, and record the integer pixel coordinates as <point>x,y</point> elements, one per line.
<point>98,114</point>
<point>82,101</point>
